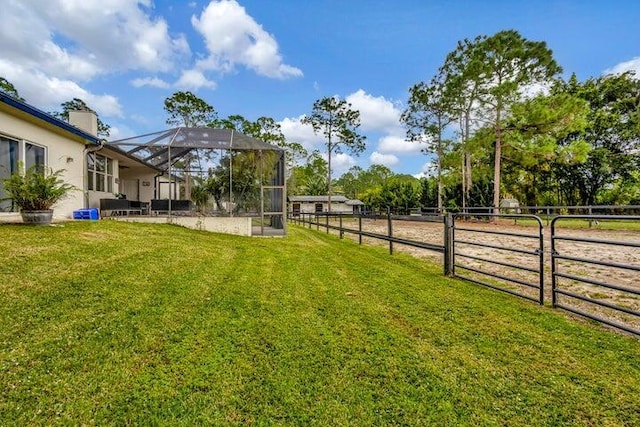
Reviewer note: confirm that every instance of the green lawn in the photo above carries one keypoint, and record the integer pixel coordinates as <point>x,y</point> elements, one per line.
<point>111,323</point>
<point>602,224</point>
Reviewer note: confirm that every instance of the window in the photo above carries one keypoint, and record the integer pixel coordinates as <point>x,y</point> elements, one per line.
<point>12,152</point>
<point>100,173</point>
<point>318,207</point>
<point>34,155</point>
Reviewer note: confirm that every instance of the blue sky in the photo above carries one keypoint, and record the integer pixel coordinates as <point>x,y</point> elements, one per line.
<point>275,58</point>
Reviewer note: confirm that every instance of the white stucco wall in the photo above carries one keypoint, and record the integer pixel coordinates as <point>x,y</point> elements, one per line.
<point>62,152</point>
<point>240,226</point>
<point>143,176</point>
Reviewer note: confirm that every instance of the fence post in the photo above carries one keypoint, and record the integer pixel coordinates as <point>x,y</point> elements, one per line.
<point>449,224</point>
<point>445,240</point>
<point>317,222</point>
<point>390,230</point>
<point>327,222</point>
<point>548,214</point>
<point>541,260</point>
<point>360,229</point>
<point>341,231</point>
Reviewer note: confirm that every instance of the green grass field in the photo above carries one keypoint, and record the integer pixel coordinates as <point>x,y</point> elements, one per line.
<point>108,323</point>
<point>602,224</point>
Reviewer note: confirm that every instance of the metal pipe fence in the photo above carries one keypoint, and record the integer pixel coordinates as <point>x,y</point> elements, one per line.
<point>322,219</point>
<point>514,261</point>
<point>592,280</point>
<point>479,266</point>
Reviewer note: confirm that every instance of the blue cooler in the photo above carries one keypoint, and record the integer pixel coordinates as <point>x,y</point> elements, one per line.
<point>90,214</point>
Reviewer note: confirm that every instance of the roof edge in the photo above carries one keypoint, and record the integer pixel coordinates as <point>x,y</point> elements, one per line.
<point>46,117</point>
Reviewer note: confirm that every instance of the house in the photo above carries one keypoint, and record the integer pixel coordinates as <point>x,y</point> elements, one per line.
<point>144,174</point>
<point>318,204</point>
<point>30,136</point>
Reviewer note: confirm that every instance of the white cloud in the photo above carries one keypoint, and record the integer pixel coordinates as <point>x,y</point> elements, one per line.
<point>383,159</point>
<point>100,37</point>
<point>426,171</point>
<point>120,131</point>
<point>340,163</point>
<point>534,89</point>
<point>49,92</point>
<point>50,47</point>
<point>396,144</point>
<point>150,81</point>
<point>234,38</point>
<point>376,113</point>
<point>631,65</point>
<point>294,130</point>
<point>194,80</point>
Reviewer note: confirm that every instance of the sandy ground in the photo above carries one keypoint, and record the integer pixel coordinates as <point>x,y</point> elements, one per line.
<point>476,232</point>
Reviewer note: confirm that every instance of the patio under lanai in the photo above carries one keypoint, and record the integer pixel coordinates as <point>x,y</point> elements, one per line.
<point>214,179</point>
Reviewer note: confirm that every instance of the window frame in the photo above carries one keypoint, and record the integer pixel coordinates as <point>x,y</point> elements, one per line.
<point>22,157</point>
<point>100,173</point>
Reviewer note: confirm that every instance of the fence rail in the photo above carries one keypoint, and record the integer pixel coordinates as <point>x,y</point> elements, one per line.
<point>484,272</point>
<point>321,219</point>
<point>561,259</point>
<point>524,279</point>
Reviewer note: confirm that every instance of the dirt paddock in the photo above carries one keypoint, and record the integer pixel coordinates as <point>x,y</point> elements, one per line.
<point>477,232</point>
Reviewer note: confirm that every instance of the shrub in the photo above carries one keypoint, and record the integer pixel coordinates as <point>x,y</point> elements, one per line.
<point>37,189</point>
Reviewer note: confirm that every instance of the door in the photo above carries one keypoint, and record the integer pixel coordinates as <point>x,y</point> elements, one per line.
<point>130,188</point>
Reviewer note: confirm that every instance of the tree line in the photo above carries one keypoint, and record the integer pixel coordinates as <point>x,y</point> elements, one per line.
<point>500,122</point>
<point>496,120</point>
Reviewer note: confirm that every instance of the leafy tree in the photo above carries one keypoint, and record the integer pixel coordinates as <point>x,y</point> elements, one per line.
<point>506,64</point>
<point>77,104</point>
<point>356,181</point>
<point>372,198</point>
<point>311,178</point>
<point>267,130</point>
<point>335,119</point>
<point>188,110</point>
<point>532,135</point>
<point>237,179</point>
<point>613,131</point>
<point>374,176</point>
<point>399,194</point>
<point>426,117</point>
<point>7,87</point>
<point>462,75</point>
<point>350,182</point>
<point>428,192</point>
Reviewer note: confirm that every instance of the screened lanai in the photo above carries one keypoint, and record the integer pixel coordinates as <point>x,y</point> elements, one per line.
<point>206,172</point>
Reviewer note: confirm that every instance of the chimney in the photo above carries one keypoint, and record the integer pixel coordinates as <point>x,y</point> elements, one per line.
<point>85,120</point>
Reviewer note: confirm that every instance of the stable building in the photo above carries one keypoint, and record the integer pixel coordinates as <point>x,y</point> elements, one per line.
<point>320,204</point>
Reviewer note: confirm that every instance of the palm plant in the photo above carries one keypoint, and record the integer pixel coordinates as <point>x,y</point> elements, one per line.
<point>36,189</point>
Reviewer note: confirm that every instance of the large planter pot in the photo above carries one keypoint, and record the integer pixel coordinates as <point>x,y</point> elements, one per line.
<point>37,217</point>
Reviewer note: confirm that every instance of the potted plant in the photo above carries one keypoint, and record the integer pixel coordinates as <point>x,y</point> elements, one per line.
<point>35,191</point>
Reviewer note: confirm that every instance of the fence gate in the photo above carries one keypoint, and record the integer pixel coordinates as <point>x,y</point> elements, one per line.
<point>589,280</point>
<point>490,250</point>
